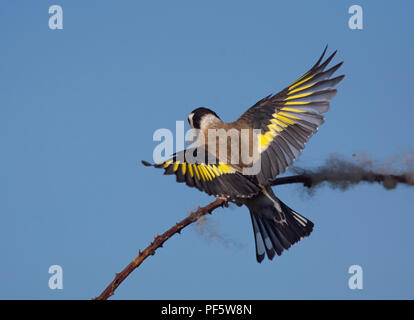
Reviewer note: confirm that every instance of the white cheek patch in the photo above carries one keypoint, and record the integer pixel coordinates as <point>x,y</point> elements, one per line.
<point>190,119</point>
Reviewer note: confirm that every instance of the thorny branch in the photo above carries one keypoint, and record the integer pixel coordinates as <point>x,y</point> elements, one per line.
<point>307,179</point>
<point>157,243</point>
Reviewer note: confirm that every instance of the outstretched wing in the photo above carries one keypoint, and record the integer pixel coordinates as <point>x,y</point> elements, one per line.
<point>207,174</point>
<point>289,118</point>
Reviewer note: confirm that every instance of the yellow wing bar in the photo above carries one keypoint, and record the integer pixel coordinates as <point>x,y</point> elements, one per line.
<point>279,122</point>
<point>205,172</point>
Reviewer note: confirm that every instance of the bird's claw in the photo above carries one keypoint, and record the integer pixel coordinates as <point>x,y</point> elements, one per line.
<point>225,201</point>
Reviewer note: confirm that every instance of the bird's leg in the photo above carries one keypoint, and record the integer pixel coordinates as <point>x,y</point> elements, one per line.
<point>225,201</point>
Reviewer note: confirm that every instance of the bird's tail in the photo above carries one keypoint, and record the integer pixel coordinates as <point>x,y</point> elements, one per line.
<point>276,227</point>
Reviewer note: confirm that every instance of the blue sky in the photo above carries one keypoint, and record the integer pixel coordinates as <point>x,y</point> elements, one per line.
<point>79,106</point>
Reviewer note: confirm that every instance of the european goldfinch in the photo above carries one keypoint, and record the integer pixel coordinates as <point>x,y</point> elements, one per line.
<point>279,126</point>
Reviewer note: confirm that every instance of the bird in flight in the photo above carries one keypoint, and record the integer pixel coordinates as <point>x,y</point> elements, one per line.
<point>272,134</point>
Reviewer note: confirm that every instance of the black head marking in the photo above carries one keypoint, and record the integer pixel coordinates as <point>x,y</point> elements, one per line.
<point>197,114</point>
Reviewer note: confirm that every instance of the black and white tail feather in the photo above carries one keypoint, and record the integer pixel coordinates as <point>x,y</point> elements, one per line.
<point>275,226</point>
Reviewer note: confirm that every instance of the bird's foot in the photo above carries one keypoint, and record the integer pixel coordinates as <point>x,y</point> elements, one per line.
<point>225,201</point>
